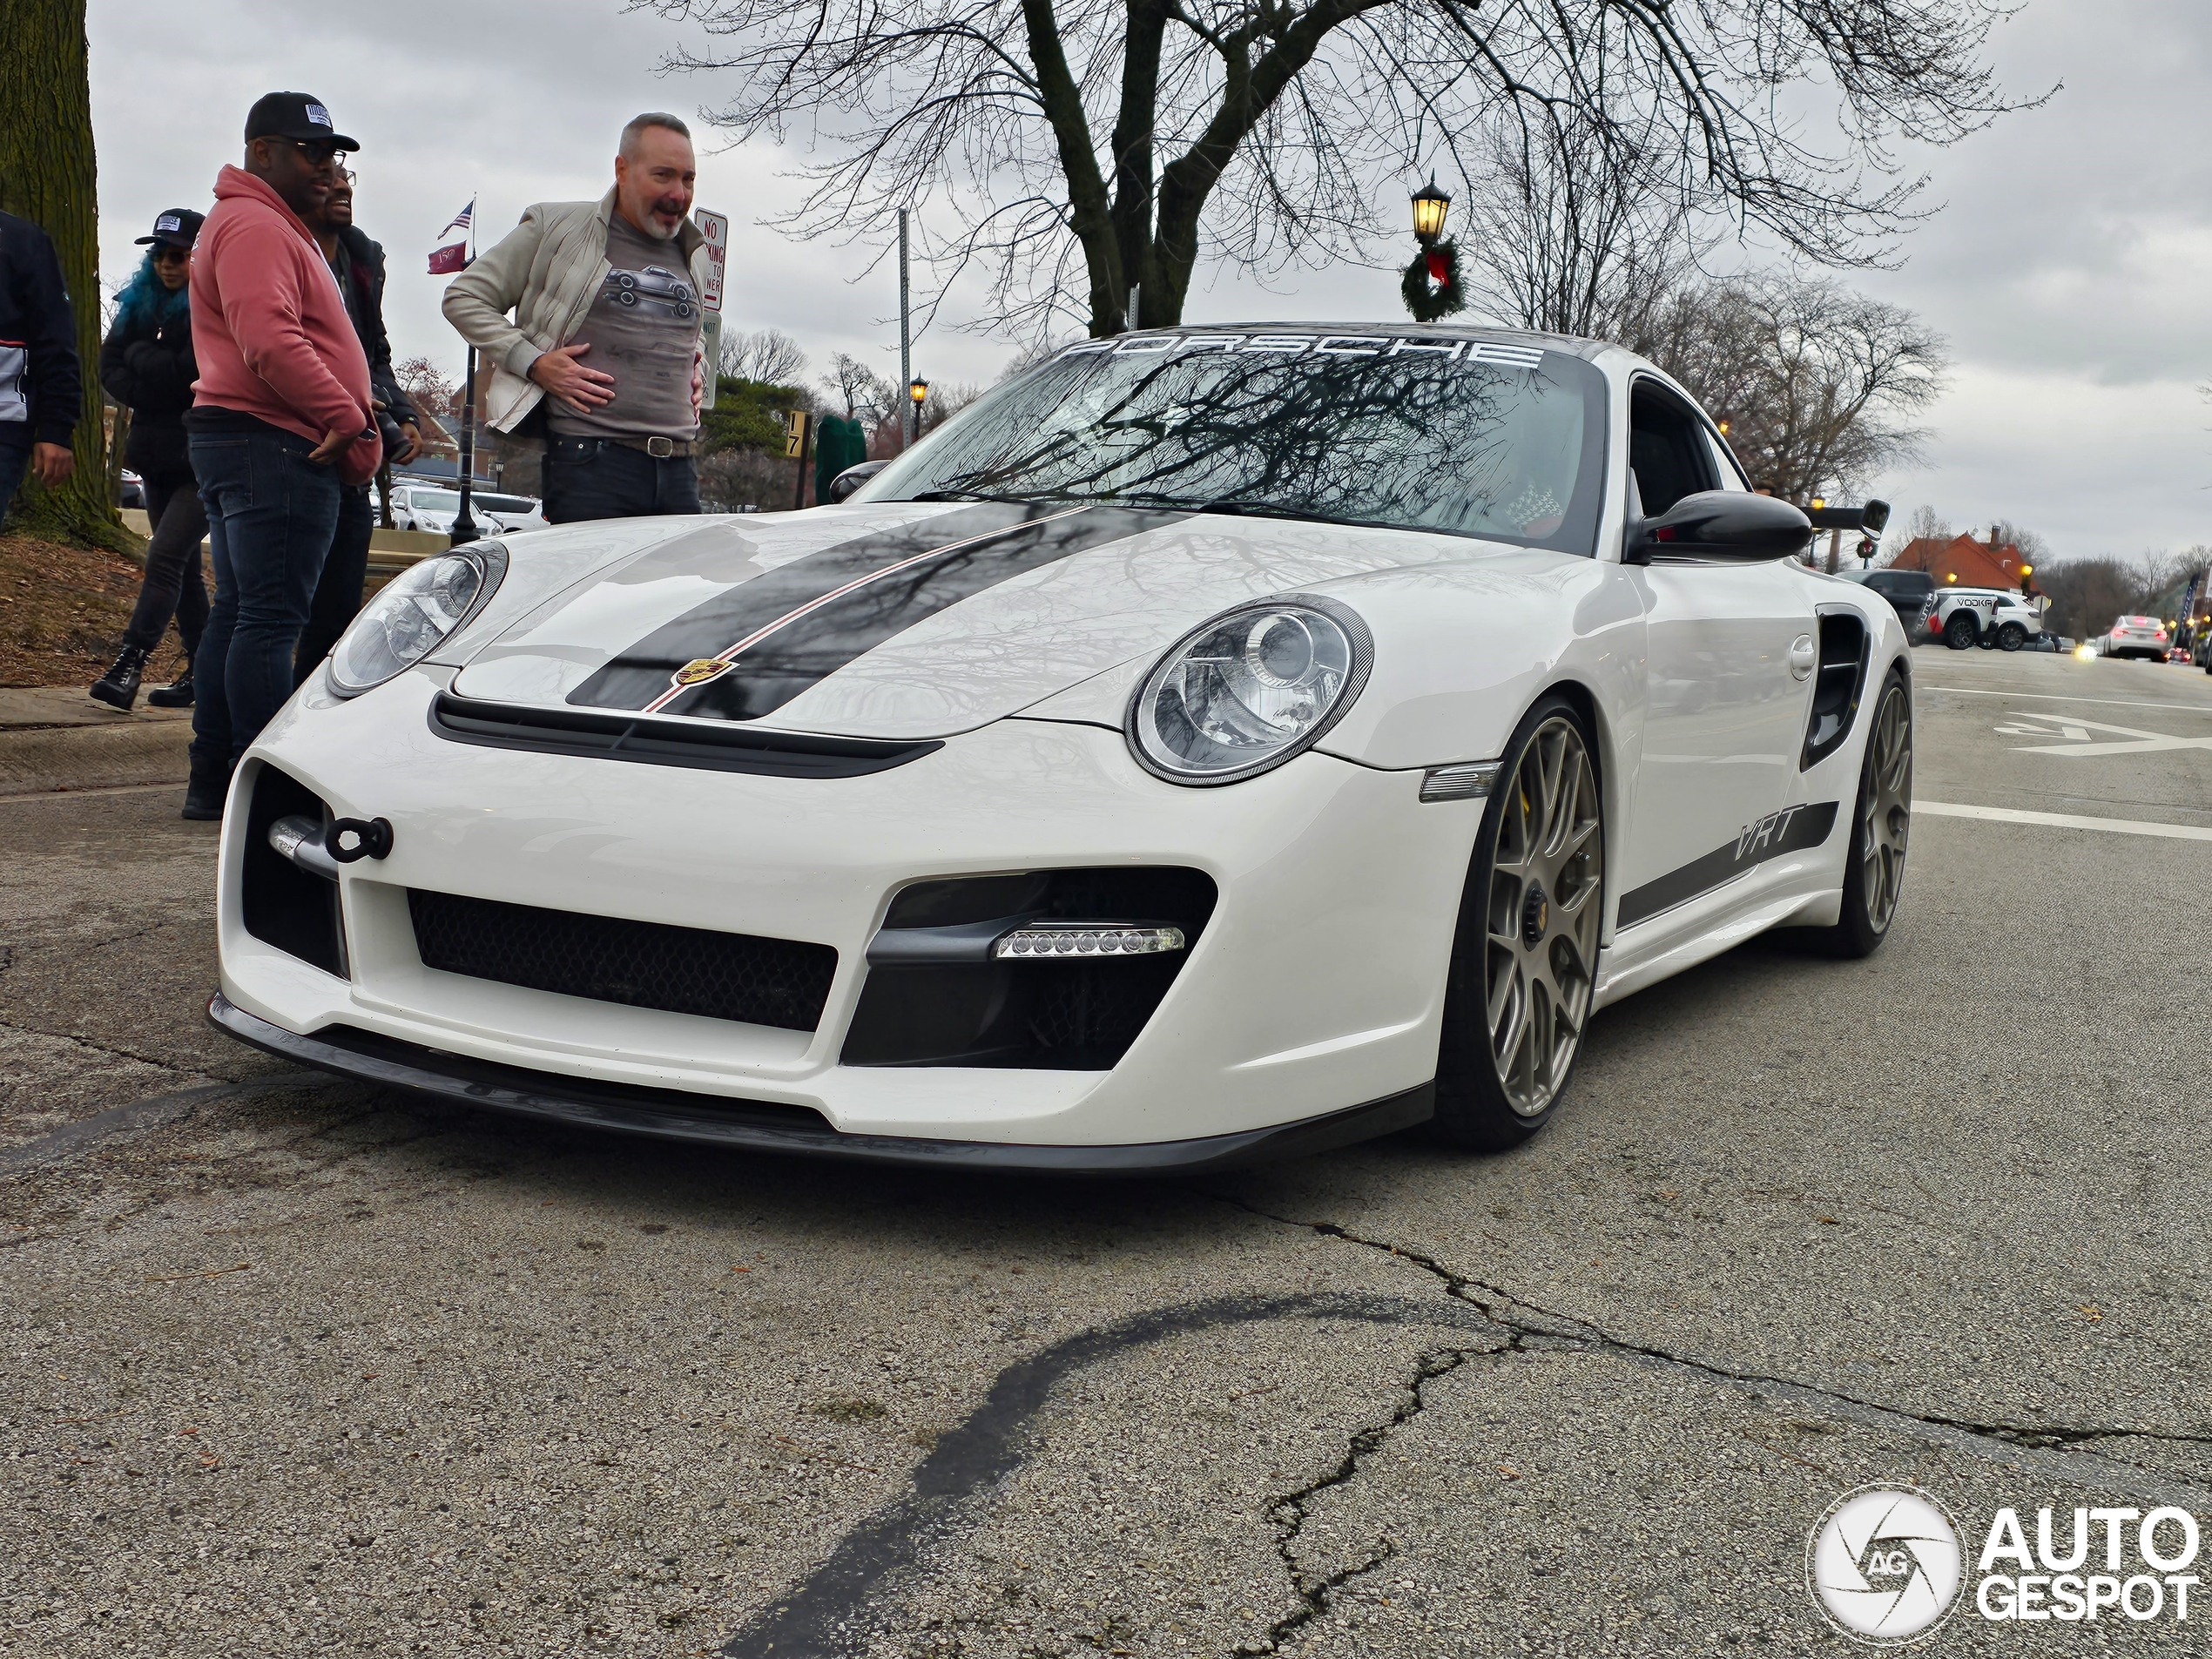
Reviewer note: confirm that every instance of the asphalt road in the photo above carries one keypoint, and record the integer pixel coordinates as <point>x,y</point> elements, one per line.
<point>295,1368</point>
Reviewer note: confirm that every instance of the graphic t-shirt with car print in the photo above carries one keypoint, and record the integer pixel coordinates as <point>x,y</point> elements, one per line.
<point>642,329</point>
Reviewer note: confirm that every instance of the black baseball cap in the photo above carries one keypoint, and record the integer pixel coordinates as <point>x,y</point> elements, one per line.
<point>176,227</point>
<point>294,115</point>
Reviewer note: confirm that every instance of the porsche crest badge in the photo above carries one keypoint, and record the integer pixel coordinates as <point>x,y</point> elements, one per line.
<point>700,671</point>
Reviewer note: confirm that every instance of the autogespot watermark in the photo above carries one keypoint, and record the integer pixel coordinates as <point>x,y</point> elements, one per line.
<point>1887,1565</point>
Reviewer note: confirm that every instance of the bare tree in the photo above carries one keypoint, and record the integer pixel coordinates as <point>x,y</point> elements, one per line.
<point>1925,525</point>
<point>1820,385</point>
<point>1573,239</point>
<point>1094,152</point>
<point>2033,549</point>
<point>769,355</point>
<point>947,399</point>
<point>426,387</point>
<point>2088,594</point>
<point>868,397</point>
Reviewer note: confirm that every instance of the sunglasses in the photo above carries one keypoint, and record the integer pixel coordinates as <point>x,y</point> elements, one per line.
<point>314,152</point>
<point>164,252</point>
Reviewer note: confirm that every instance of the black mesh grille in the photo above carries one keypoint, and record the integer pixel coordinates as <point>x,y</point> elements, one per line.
<point>640,964</point>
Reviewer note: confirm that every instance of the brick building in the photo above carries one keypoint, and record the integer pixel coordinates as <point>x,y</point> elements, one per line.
<point>1963,560</point>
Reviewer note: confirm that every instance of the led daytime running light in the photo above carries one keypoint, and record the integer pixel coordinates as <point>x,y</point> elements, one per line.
<point>1074,938</point>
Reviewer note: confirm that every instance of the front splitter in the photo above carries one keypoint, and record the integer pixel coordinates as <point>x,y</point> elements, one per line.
<point>679,1115</point>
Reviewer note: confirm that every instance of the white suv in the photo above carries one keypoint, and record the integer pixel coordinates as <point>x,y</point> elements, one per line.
<point>1992,618</point>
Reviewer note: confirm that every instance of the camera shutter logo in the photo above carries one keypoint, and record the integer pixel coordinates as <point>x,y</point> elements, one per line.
<point>1885,1564</point>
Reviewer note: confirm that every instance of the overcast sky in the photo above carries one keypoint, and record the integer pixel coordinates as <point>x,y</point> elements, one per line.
<point>2068,265</point>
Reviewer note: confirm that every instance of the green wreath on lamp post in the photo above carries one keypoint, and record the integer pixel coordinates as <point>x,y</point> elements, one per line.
<point>1432,285</point>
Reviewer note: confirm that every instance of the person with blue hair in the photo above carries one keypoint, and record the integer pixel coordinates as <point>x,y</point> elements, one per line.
<point>146,365</point>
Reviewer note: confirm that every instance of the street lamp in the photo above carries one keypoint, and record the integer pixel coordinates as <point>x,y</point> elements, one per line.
<point>1430,205</point>
<point>1724,428</point>
<point>918,390</point>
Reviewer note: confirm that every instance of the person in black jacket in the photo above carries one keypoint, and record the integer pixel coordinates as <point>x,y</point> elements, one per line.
<point>41,384</point>
<point>357,264</point>
<point>146,365</point>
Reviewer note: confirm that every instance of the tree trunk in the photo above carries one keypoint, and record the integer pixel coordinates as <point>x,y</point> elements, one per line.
<point>48,175</point>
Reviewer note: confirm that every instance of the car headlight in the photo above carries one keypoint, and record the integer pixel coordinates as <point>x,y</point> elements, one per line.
<point>1248,690</point>
<point>414,614</point>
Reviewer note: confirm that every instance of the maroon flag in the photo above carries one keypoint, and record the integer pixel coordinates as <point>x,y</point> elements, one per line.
<point>444,261</point>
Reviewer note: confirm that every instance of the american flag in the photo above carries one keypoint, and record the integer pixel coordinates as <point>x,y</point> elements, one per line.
<point>454,256</point>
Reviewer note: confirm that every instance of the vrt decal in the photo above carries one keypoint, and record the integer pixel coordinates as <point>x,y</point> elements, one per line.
<point>1766,831</point>
<point>2075,739</point>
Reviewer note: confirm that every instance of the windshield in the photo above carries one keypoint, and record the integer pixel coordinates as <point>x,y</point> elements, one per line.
<point>1471,437</point>
<point>435,501</point>
<point>506,504</point>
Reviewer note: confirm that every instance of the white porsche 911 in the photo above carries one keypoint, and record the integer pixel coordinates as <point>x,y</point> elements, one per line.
<point>1217,743</point>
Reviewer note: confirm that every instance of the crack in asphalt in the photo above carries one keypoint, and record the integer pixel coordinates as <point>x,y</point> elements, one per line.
<point>2054,1447</point>
<point>835,1607</point>
<point>99,1047</point>
<point>1317,1596</point>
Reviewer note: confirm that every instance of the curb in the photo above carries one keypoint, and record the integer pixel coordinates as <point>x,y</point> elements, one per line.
<point>49,759</point>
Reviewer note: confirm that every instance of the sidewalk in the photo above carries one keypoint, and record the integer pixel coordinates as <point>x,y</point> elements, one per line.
<point>56,737</point>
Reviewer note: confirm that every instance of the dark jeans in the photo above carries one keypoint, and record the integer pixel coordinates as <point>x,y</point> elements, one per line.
<point>271,516</point>
<point>171,587</point>
<point>338,594</point>
<point>597,478</point>
<point>15,461</point>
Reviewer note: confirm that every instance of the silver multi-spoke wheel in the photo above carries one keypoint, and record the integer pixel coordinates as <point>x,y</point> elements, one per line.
<point>1885,807</point>
<point>1544,909</point>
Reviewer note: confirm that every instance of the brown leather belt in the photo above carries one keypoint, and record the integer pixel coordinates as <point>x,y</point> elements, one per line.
<point>660,448</point>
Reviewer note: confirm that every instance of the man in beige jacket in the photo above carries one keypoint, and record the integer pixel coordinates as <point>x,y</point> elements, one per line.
<point>604,335</point>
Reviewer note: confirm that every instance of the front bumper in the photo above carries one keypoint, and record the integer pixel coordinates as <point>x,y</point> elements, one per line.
<point>672,1115</point>
<point>1315,991</point>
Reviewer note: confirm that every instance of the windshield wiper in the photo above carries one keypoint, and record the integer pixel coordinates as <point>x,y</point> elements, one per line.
<point>1247,508</point>
<point>979,495</point>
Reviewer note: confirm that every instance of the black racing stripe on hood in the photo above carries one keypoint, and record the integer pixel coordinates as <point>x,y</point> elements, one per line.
<point>974,549</point>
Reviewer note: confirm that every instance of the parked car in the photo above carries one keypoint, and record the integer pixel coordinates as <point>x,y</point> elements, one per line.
<point>1995,618</point>
<point>1906,590</point>
<point>2135,637</point>
<point>1215,744</point>
<point>132,491</point>
<point>432,507</point>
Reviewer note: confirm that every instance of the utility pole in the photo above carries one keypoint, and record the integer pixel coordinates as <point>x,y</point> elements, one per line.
<point>905,350</point>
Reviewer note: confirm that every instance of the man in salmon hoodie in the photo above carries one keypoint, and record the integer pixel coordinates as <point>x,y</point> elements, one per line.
<point>282,418</point>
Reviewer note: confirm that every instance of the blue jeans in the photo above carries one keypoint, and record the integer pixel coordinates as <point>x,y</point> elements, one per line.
<point>338,593</point>
<point>588,478</point>
<point>271,516</point>
<point>15,461</point>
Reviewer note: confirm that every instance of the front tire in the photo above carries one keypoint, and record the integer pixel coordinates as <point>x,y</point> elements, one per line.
<point>1523,976</point>
<point>1881,825</point>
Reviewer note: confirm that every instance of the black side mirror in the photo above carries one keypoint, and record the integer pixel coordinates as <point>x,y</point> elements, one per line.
<point>852,478</point>
<point>1720,524</point>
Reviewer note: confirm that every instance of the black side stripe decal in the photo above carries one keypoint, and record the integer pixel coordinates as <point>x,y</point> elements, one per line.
<point>749,650</point>
<point>1790,830</point>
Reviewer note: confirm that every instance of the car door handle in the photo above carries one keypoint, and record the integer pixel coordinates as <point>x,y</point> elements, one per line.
<point>1802,656</point>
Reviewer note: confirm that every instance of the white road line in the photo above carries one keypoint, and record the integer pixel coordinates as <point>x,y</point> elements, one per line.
<point>2052,697</point>
<point>2063,820</point>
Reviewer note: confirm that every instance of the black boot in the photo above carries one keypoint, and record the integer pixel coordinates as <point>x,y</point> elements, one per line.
<point>204,791</point>
<point>175,695</point>
<point>119,685</point>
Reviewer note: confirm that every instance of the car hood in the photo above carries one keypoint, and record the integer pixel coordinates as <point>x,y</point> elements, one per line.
<point>903,619</point>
